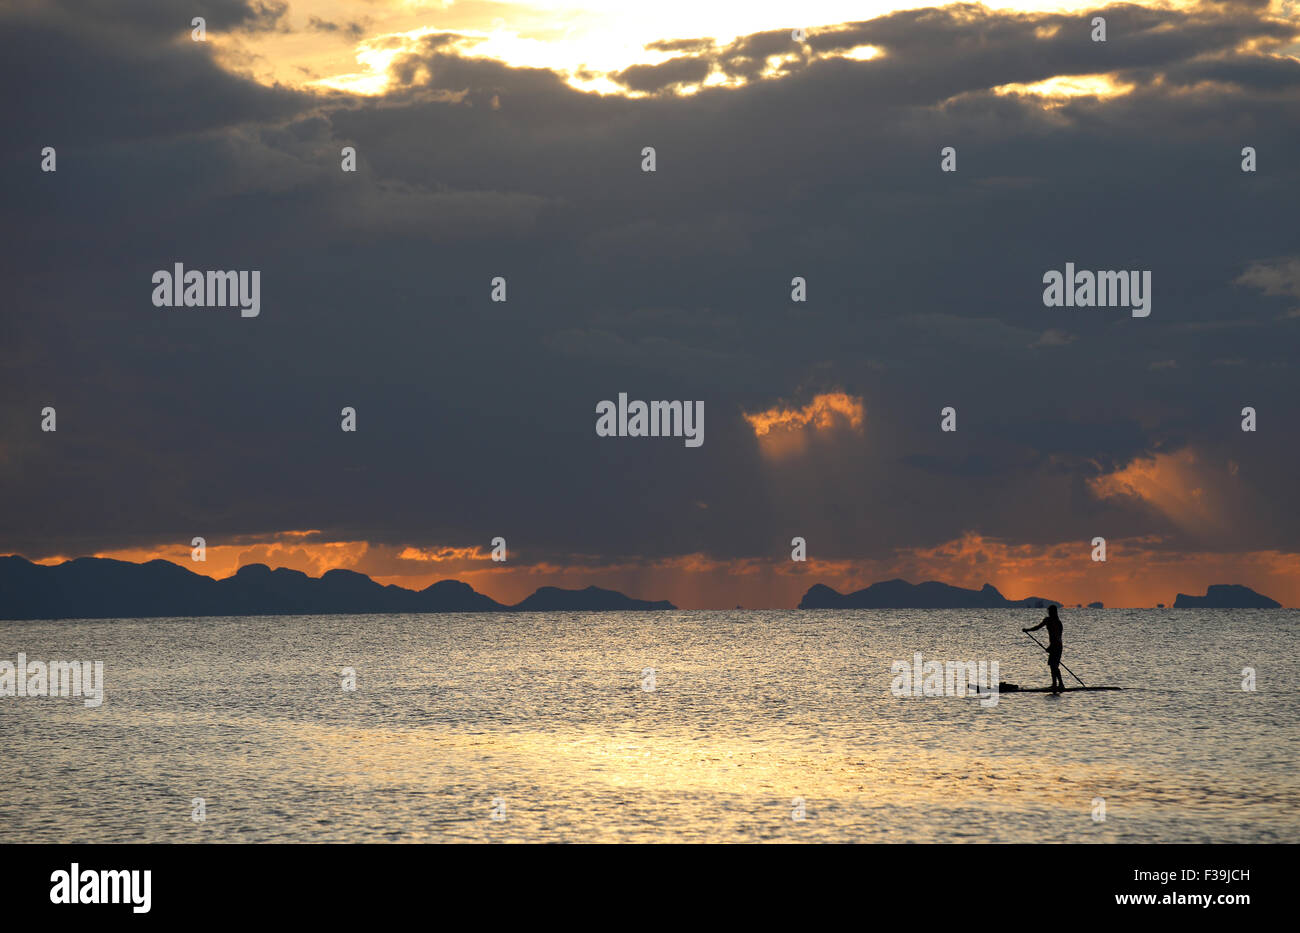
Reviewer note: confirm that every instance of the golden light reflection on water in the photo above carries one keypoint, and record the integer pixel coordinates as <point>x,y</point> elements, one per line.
<point>750,712</point>
<point>634,762</point>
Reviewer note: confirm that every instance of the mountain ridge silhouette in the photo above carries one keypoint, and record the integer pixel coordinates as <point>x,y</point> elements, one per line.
<point>1226,596</point>
<point>106,588</point>
<point>899,594</point>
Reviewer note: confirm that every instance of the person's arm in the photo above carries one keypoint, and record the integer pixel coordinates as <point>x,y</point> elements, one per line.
<point>1036,627</point>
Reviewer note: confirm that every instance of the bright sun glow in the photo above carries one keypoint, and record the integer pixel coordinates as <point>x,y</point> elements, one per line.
<point>349,47</point>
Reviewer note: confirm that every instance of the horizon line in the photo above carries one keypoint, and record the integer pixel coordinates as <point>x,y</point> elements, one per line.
<point>1042,600</point>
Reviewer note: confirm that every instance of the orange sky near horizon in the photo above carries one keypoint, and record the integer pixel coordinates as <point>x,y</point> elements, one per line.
<point>1184,489</point>
<point>1136,574</point>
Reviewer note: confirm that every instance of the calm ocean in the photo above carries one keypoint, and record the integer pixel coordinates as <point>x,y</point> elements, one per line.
<point>537,727</point>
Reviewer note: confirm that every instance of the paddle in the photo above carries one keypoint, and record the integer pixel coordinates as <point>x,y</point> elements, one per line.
<point>1044,647</point>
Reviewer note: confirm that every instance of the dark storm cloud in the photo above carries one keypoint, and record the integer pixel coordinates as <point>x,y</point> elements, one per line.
<point>680,45</point>
<point>682,70</point>
<point>477,419</point>
<point>1275,74</point>
<point>87,73</point>
<point>156,19</point>
<point>762,44</point>
<point>932,55</point>
<point>352,30</point>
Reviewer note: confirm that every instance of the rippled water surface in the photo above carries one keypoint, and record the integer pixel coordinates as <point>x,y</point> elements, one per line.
<point>750,710</point>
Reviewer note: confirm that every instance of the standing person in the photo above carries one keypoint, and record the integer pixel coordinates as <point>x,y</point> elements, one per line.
<point>1053,623</point>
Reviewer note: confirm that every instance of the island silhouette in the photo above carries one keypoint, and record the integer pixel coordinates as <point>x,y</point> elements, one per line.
<point>899,594</point>
<point>1226,596</point>
<point>104,588</point>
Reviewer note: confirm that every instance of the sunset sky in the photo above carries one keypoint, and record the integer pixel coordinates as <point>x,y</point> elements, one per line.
<point>505,139</point>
